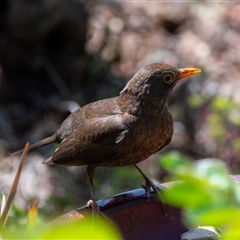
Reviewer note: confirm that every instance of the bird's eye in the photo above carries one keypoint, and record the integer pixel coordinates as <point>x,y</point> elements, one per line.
<point>167,78</point>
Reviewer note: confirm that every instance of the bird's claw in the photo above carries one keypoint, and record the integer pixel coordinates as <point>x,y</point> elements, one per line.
<point>147,185</point>
<point>96,213</point>
<point>93,206</point>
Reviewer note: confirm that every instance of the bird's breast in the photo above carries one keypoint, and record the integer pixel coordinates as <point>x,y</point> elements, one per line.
<point>144,138</point>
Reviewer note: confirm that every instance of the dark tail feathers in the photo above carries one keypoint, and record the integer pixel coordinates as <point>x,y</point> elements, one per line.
<point>41,143</point>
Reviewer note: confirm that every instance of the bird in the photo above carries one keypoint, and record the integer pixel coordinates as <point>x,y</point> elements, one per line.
<point>122,130</point>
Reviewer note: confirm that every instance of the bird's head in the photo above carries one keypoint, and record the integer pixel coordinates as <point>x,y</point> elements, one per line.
<point>154,82</point>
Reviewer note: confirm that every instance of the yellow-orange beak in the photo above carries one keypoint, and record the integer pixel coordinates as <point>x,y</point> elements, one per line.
<point>187,72</point>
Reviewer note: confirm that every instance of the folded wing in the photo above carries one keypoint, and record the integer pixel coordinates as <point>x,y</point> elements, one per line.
<point>92,142</point>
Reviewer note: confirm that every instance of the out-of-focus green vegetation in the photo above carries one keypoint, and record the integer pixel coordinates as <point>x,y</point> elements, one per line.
<point>206,192</point>
<point>33,225</point>
<point>220,121</point>
<point>15,223</point>
<point>29,225</point>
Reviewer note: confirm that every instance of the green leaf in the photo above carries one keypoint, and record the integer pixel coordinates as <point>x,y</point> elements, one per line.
<point>174,161</point>
<point>84,229</point>
<point>207,194</point>
<point>185,195</point>
<point>88,228</point>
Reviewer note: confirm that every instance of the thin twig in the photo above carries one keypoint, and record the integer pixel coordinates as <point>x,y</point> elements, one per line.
<point>12,193</point>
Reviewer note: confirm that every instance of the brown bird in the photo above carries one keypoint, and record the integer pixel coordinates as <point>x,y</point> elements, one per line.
<point>120,131</point>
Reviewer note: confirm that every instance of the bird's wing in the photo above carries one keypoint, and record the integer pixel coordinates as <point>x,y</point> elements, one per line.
<point>92,142</point>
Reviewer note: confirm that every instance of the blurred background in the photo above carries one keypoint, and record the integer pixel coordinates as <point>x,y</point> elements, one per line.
<point>56,56</point>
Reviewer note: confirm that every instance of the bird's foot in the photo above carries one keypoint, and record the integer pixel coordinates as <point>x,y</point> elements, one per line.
<point>96,213</point>
<point>94,208</point>
<point>147,185</point>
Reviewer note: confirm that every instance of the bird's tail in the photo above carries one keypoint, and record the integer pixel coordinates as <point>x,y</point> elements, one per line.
<point>41,143</point>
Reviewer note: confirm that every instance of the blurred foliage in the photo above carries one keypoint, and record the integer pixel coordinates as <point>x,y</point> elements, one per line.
<point>205,191</point>
<point>220,121</point>
<point>23,225</point>
<point>31,224</point>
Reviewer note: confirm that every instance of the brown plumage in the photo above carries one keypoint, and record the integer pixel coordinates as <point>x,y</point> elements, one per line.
<point>123,130</point>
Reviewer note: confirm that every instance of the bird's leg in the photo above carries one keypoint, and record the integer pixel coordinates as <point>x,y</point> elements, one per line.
<point>90,173</point>
<point>148,184</point>
<point>93,203</point>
